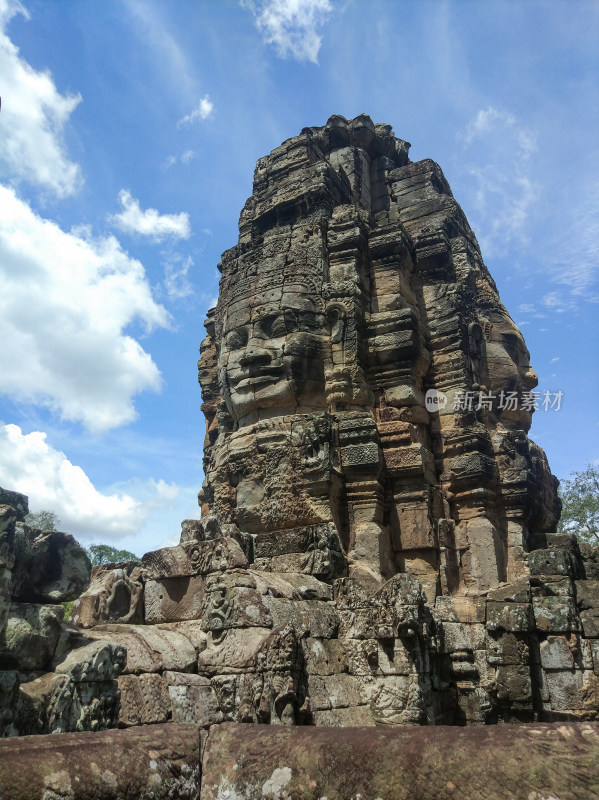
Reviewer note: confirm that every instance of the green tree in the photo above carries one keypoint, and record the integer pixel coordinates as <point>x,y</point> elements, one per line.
<point>580,504</point>
<point>104,554</point>
<point>44,520</point>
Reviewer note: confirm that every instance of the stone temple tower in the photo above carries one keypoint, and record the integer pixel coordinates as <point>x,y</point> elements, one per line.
<point>367,395</point>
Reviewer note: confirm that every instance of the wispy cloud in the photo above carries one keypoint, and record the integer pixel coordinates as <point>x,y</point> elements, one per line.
<point>203,110</point>
<point>572,256</point>
<point>292,26</point>
<point>66,301</point>
<point>149,222</point>
<point>33,119</point>
<point>185,158</point>
<point>499,150</point>
<point>489,119</point>
<point>558,302</point>
<point>151,24</point>
<point>529,308</point>
<point>176,282</point>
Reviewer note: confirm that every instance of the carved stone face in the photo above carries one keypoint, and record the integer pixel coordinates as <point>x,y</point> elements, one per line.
<point>271,360</point>
<point>508,365</point>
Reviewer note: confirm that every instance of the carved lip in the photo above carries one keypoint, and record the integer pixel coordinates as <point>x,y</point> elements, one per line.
<point>259,375</point>
<point>258,380</point>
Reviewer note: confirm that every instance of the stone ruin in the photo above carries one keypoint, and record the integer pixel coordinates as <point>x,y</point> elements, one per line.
<point>376,545</point>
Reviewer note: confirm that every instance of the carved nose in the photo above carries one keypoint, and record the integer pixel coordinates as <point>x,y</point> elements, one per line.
<point>531,379</point>
<point>254,356</point>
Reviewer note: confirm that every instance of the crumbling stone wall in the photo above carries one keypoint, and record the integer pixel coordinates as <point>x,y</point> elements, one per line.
<point>38,692</point>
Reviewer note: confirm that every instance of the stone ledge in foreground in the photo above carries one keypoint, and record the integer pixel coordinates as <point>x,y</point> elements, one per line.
<point>502,762</point>
<point>151,761</point>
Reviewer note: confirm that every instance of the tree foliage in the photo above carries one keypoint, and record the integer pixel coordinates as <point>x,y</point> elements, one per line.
<point>105,554</point>
<point>580,509</point>
<point>44,520</point>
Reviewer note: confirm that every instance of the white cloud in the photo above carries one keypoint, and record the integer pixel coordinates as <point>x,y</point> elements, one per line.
<point>483,123</point>
<point>529,308</point>
<point>502,190</point>
<point>169,491</point>
<point>146,514</point>
<point>203,110</point>
<point>149,222</point>
<point>66,301</point>
<point>176,282</point>
<point>555,301</point>
<point>28,464</point>
<point>185,158</point>
<point>291,25</point>
<point>572,254</point>
<point>32,121</point>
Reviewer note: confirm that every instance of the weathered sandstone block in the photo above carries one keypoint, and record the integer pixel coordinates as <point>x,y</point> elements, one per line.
<point>144,700</point>
<point>55,703</point>
<point>526,762</point>
<point>157,761</point>
<point>149,648</point>
<point>114,594</point>
<point>30,636</point>
<point>19,502</point>
<point>173,599</point>
<point>50,566</point>
<point>8,518</point>
<point>97,661</point>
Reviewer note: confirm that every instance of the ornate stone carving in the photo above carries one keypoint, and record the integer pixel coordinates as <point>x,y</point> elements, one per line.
<point>356,287</point>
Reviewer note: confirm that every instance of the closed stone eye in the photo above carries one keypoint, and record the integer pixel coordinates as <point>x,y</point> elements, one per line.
<point>273,326</point>
<point>236,339</point>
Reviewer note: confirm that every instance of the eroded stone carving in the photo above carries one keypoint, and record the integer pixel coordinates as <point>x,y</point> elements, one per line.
<point>114,594</point>
<point>356,286</point>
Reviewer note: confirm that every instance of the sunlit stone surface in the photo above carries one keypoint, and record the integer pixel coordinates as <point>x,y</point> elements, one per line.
<point>376,545</point>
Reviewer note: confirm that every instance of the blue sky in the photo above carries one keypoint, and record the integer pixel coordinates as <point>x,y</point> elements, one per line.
<point>129,132</point>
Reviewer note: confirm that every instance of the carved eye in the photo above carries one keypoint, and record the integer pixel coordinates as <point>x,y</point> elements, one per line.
<point>272,326</point>
<point>293,320</point>
<point>308,321</point>
<point>513,346</point>
<point>278,326</point>
<point>236,339</point>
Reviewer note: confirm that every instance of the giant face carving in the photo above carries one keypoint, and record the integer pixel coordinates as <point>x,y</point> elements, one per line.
<point>271,356</point>
<point>508,366</point>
